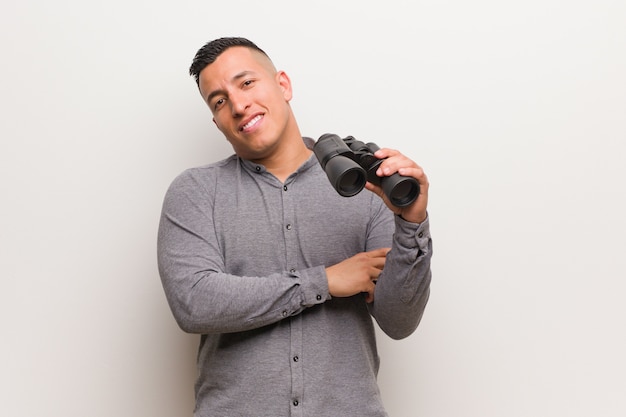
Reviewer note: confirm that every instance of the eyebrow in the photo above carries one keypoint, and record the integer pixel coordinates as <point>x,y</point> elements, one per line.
<point>236,77</point>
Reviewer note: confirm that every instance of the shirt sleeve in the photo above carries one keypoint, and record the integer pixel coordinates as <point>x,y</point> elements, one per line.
<point>203,298</point>
<point>403,288</point>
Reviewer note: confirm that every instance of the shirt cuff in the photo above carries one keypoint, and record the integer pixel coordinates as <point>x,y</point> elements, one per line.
<point>313,286</point>
<point>413,235</point>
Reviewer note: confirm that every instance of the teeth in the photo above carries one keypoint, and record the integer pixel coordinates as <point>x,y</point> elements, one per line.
<point>252,122</point>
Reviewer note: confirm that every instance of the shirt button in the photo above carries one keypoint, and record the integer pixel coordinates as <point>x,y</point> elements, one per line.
<point>258,168</point>
<point>421,234</point>
<point>295,403</point>
<point>285,188</point>
<point>319,297</point>
<point>285,313</point>
<point>296,359</point>
<point>289,227</point>
<point>292,270</point>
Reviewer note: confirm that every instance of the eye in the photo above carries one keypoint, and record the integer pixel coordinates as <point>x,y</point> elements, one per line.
<point>248,83</point>
<point>219,103</point>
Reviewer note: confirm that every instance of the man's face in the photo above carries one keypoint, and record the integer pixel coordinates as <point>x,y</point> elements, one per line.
<point>249,101</point>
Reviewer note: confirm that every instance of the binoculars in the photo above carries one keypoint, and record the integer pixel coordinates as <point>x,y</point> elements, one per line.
<point>349,163</point>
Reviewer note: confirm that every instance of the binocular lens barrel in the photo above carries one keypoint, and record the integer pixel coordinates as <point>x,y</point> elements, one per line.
<point>346,176</point>
<point>401,191</point>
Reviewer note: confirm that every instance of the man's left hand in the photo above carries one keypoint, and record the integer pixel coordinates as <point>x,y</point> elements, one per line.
<point>394,162</point>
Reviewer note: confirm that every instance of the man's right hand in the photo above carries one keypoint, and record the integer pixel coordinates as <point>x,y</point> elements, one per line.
<point>357,274</point>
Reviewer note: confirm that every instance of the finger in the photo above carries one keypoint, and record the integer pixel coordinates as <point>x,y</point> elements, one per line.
<point>413,171</point>
<point>377,253</point>
<point>394,164</point>
<point>377,265</point>
<point>385,153</point>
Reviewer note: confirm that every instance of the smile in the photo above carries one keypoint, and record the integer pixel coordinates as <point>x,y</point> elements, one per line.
<point>251,122</point>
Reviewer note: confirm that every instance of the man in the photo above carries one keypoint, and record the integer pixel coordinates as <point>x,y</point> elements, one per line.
<point>279,274</point>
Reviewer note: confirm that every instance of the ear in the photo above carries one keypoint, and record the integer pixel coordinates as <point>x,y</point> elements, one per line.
<point>285,84</point>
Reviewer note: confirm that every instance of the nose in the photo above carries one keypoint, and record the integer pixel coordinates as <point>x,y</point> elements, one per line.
<point>238,103</point>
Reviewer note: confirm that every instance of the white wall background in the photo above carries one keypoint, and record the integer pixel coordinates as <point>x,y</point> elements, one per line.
<point>517,110</point>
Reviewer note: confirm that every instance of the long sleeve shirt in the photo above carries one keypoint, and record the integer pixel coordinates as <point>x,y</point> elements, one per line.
<point>242,260</point>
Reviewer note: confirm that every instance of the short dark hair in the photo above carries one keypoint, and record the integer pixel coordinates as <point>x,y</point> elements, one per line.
<point>211,50</point>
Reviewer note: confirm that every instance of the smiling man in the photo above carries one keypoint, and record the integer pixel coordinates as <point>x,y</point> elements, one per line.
<point>280,275</point>
<point>250,106</point>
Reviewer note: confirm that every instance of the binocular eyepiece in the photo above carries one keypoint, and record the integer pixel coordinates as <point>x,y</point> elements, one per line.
<point>349,163</point>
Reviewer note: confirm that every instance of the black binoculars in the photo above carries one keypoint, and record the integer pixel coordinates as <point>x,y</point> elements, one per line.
<point>349,163</point>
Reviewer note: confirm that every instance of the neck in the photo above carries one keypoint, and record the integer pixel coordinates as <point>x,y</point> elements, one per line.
<point>288,160</point>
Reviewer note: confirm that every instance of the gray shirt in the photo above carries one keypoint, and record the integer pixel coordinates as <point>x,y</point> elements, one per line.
<point>242,259</point>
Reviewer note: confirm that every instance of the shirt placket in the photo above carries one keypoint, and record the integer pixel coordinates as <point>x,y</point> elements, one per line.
<point>291,258</point>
